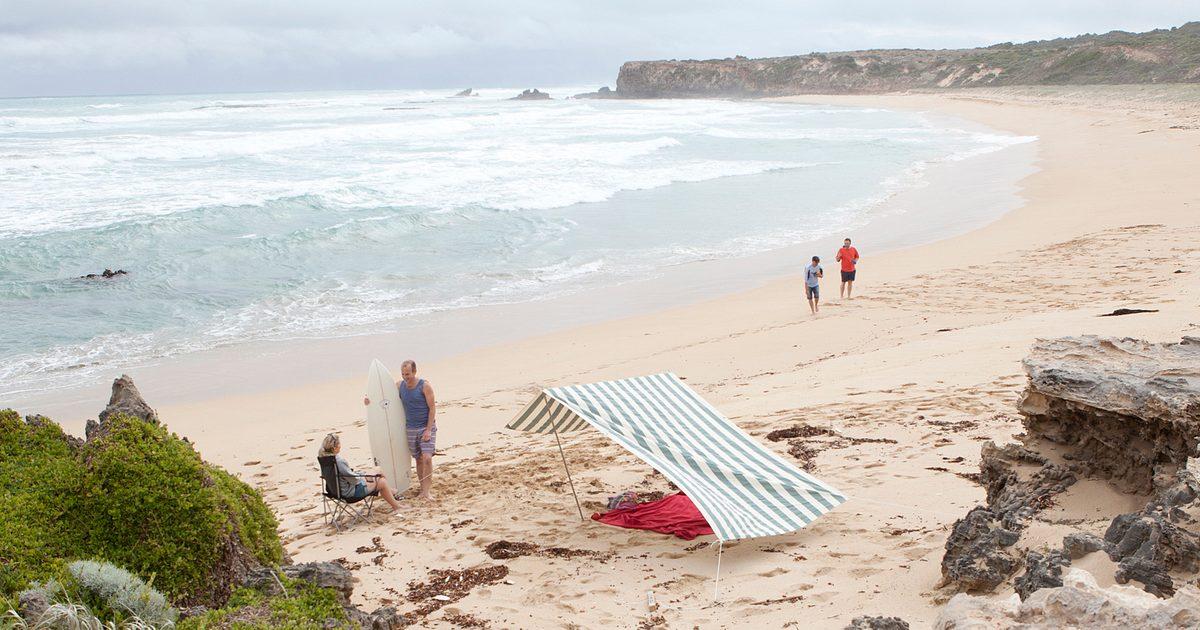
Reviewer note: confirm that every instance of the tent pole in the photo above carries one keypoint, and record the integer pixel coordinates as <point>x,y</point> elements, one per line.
<point>568,469</point>
<point>717,584</point>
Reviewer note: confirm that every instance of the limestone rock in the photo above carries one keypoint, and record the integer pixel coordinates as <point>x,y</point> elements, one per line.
<point>1041,572</point>
<point>1079,603</point>
<point>977,556</point>
<point>1127,410</point>
<point>877,623</point>
<point>324,574</point>
<point>105,275</point>
<point>127,400</point>
<point>467,92</point>
<point>531,95</point>
<point>1080,544</point>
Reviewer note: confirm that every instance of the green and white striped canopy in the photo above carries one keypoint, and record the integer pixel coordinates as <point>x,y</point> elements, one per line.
<point>743,489</point>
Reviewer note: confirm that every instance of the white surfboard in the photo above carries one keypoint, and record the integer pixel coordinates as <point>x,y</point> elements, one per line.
<point>385,427</point>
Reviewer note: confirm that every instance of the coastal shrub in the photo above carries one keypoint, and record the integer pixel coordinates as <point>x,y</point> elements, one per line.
<point>156,508</point>
<point>305,605</point>
<point>121,593</point>
<point>39,496</point>
<point>136,495</point>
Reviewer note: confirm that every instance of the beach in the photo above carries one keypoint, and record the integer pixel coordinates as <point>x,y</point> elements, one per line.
<point>927,356</point>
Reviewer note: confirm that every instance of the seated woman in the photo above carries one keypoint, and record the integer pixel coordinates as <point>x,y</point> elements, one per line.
<point>355,484</point>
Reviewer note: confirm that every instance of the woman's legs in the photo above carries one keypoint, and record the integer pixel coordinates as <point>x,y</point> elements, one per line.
<point>385,490</point>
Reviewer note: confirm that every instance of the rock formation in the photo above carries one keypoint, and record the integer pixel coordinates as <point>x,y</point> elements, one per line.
<point>126,400</point>
<point>329,575</point>
<point>1122,410</point>
<point>1126,410</point>
<point>1160,56</point>
<point>1078,603</point>
<point>106,274</point>
<point>603,92</point>
<point>467,92</point>
<point>531,95</point>
<point>877,623</point>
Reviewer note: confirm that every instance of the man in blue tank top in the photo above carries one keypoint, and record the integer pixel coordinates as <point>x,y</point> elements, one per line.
<point>420,412</point>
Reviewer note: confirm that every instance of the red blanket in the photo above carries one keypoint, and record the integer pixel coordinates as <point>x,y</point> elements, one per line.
<point>675,514</point>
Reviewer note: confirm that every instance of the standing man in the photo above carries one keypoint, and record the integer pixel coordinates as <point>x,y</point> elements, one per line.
<point>812,284</point>
<point>848,256</point>
<point>420,411</point>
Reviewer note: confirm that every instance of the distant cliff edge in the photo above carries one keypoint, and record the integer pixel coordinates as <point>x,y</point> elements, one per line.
<point>1159,56</point>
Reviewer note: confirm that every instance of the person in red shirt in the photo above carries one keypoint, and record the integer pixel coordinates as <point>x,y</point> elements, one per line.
<point>848,256</point>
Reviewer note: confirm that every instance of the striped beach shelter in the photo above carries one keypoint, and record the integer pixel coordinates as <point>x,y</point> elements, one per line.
<point>743,489</point>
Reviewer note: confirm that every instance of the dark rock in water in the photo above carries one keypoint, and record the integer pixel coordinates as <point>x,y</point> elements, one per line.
<point>977,556</point>
<point>323,574</point>
<point>603,92</point>
<point>877,623</point>
<point>127,400</point>
<point>107,273</point>
<point>1152,575</point>
<point>1041,572</point>
<point>531,95</point>
<point>1079,544</point>
<point>467,92</point>
<point>1126,410</point>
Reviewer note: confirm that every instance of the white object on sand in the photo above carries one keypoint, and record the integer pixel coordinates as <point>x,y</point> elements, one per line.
<point>385,427</point>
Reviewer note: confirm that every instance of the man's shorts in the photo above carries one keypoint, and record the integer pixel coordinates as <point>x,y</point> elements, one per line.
<point>848,276</point>
<point>418,448</point>
<point>812,293</point>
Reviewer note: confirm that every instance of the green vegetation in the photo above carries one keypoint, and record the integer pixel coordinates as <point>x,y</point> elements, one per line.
<point>137,496</point>
<point>93,595</point>
<point>304,605</point>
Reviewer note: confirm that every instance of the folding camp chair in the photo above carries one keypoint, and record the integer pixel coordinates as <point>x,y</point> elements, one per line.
<point>336,506</point>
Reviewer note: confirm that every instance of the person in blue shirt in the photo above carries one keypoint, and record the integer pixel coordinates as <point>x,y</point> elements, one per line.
<point>812,284</point>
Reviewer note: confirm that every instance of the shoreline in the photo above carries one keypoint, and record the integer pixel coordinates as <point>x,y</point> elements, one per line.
<point>281,366</point>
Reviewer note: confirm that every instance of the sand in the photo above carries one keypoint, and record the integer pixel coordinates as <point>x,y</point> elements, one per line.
<point>927,354</point>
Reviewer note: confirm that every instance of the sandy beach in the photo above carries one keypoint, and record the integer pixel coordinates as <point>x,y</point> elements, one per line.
<point>925,356</point>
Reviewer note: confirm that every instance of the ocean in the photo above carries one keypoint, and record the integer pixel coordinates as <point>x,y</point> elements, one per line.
<point>258,217</point>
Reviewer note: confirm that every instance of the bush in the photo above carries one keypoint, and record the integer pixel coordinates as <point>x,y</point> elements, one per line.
<point>138,496</point>
<point>305,605</point>
<point>119,591</point>
<point>39,524</point>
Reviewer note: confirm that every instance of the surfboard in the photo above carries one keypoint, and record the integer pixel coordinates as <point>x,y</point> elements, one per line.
<point>385,427</point>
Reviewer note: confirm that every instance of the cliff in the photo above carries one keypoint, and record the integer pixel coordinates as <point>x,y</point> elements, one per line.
<point>1159,56</point>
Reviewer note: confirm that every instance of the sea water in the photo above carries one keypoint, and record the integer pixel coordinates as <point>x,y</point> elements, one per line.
<point>311,215</point>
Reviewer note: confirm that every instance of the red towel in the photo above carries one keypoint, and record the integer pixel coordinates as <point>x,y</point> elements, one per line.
<point>675,514</point>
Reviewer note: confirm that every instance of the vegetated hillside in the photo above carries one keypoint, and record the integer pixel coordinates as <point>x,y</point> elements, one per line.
<point>1159,56</point>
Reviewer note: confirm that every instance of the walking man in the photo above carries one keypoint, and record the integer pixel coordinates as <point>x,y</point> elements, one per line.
<point>812,284</point>
<point>848,256</point>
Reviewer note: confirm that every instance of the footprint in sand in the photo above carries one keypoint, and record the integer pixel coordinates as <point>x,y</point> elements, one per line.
<point>773,572</point>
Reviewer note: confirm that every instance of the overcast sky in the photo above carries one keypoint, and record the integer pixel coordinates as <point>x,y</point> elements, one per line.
<point>67,47</point>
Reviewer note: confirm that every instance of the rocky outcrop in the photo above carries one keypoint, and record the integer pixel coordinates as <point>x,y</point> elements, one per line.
<point>1041,571</point>
<point>1123,409</point>
<point>125,400</point>
<point>467,92</point>
<point>330,575</point>
<point>603,92</point>
<point>1078,603</point>
<point>978,554</point>
<point>877,623</point>
<point>105,275</point>
<point>1079,544</point>
<point>531,95</point>
<point>1164,55</point>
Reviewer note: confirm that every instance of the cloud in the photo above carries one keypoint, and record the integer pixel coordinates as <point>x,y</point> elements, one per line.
<point>83,46</point>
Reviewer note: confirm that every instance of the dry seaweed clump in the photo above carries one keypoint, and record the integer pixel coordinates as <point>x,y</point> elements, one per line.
<point>135,495</point>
